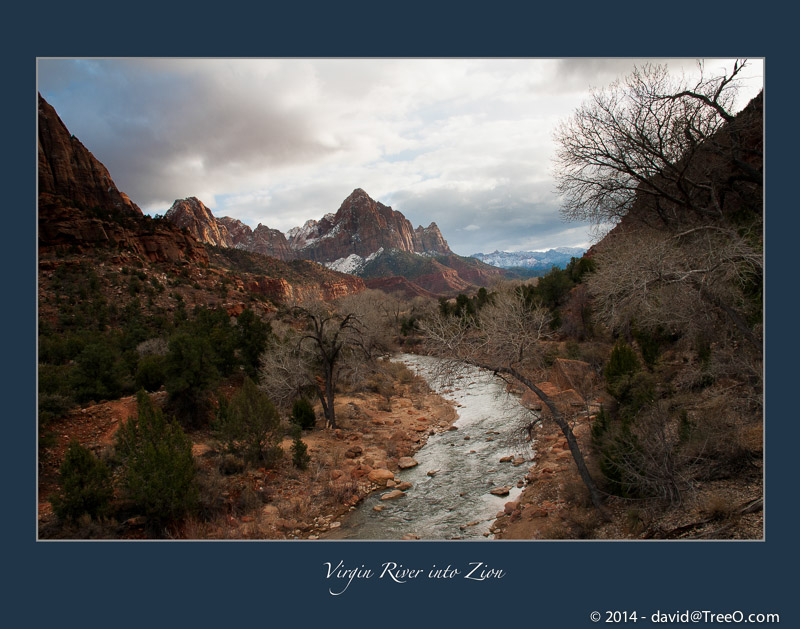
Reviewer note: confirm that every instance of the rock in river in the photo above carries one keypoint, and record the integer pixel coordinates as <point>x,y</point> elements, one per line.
<point>380,476</point>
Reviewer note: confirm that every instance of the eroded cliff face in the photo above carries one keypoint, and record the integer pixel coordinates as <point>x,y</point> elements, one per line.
<point>63,227</point>
<point>279,290</point>
<point>266,241</point>
<point>430,240</point>
<point>191,214</point>
<point>362,226</point>
<point>80,207</point>
<point>67,169</point>
<point>85,221</point>
<point>396,284</point>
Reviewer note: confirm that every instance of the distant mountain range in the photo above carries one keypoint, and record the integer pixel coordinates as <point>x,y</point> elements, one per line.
<point>534,260</point>
<point>363,237</point>
<point>364,243</point>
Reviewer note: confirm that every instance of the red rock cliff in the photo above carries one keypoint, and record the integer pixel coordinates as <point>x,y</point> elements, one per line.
<point>193,215</point>
<point>362,226</point>
<point>80,207</point>
<point>69,170</point>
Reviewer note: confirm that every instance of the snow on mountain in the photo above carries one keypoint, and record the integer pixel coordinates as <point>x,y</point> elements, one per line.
<point>353,263</point>
<point>543,260</point>
<point>301,237</point>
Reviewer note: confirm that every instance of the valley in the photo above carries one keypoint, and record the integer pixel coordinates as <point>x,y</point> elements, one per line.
<point>354,378</point>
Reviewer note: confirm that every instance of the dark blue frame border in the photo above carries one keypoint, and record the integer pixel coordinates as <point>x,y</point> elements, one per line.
<point>547,584</point>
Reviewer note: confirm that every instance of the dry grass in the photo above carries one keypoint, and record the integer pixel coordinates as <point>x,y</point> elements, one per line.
<point>718,507</point>
<point>573,490</point>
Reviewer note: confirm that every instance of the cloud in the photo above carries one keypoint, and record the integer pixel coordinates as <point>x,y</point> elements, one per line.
<point>466,143</point>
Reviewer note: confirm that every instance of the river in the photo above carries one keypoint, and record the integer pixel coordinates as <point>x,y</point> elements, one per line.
<point>449,497</point>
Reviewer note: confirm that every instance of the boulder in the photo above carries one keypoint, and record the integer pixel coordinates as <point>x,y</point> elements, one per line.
<point>500,491</point>
<point>406,462</point>
<point>404,485</point>
<point>354,452</point>
<point>360,471</point>
<point>392,495</point>
<point>381,476</point>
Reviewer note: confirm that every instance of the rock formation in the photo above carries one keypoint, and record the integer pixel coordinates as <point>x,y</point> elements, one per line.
<point>191,214</point>
<point>81,208</point>
<point>361,226</point>
<point>67,169</point>
<point>82,213</point>
<point>263,240</point>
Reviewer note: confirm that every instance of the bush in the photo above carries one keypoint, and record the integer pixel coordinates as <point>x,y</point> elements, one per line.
<point>303,414</point>
<point>159,470</point>
<point>150,373</point>
<point>190,373</point>
<point>85,485</point>
<point>622,365</point>
<point>300,456</point>
<point>249,425</point>
<point>651,343</point>
<point>99,374</point>
<point>253,335</point>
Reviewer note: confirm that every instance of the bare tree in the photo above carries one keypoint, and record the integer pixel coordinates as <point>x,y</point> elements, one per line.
<point>652,138</point>
<point>691,283</point>
<point>685,173</point>
<point>506,338</point>
<point>311,359</point>
<point>287,367</point>
<point>377,314</point>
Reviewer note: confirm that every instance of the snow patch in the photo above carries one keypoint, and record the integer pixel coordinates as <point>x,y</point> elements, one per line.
<point>353,263</point>
<point>372,256</point>
<point>302,237</point>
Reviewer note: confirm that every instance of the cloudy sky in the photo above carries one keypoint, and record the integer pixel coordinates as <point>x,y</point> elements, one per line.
<point>466,143</point>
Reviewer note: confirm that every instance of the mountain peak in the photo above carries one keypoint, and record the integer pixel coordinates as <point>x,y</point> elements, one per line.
<point>192,214</point>
<point>68,169</point>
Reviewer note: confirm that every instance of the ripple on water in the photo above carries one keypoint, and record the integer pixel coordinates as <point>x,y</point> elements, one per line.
<point>454,502</point>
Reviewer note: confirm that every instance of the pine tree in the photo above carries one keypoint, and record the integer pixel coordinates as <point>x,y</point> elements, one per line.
<point>300,456</point>
<point>303,414</point>
<point>159,469</point>
<point>249,425</point>
<point>85,485</point>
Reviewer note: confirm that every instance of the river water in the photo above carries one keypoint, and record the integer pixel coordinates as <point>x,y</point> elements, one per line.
<point>454,502</point>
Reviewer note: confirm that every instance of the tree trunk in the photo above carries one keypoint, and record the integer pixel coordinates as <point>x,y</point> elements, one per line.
<point>330,410</point>
<point>566,430</point>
